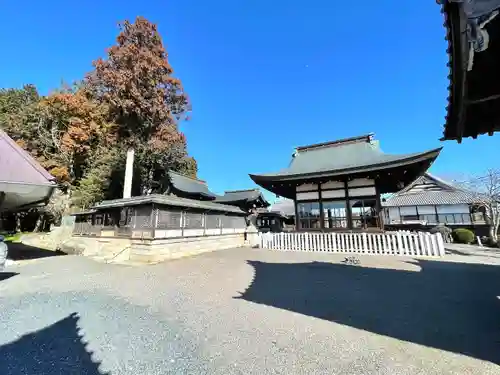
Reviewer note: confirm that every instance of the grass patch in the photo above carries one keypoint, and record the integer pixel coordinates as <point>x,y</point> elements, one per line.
<point>8,237</point>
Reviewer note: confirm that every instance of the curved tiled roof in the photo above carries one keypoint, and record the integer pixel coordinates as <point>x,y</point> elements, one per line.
<point>343,157</point>
<point>356,156</point>
<point>190,185</point>
<point>431,199</point>
<point>242,195</point>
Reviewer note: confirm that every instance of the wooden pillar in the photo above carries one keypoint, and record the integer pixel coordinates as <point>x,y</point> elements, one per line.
<point>153,219</point>
<point>437,215</point>
<point>321,213</point>
<point>348,205</point>
<point>378,207</point>
<point>297,225</point>
<point>330,220</point>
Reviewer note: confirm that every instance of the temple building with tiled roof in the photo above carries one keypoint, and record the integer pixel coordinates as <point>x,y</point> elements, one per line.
<point>337,185</point>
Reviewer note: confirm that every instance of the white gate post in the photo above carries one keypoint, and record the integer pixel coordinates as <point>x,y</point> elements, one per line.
<point>440,244</point>
<point>400,243</point>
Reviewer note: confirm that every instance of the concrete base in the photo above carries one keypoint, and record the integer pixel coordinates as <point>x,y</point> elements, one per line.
<point>119,250</point>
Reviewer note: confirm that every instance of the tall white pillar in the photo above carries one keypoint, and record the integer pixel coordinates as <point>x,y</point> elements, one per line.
<point>129,173</point>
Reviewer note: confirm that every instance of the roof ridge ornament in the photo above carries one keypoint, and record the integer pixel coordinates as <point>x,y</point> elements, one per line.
<point>339,142</point>
<point>241,190</point>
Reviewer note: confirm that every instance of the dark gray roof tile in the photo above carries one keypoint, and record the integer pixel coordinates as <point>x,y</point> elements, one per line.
<point>241,195</point>
<point>441,193</point>
<point>190,185</point>
<point>344,156</point>
<point>168,200</point>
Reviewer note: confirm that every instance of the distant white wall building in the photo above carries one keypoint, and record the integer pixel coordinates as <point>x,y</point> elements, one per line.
<point>430,201</point>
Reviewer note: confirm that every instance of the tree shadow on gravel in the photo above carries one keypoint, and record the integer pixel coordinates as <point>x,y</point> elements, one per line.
<point>55,350</point>
<point>448,306</point>
<point>19,251</point>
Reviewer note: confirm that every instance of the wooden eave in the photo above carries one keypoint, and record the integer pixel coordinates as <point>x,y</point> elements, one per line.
<point>473,99</point>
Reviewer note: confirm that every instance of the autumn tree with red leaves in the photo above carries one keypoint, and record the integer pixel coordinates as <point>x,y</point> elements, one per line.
<point>67,133</point>
<point>80,134</point>
<point>145,100</point>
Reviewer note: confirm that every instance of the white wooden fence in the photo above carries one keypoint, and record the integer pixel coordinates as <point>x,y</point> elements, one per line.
<point>419,244</point>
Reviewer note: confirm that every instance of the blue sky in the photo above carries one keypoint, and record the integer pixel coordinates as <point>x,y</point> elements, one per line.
<point>266,76</point>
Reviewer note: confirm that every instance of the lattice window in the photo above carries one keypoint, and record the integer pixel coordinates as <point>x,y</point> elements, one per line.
<point>240,222</point>
<point>98,219</point>
<point>193,220</point>
<point>126,215</point>
<point>109,219</point>
<point>144,217</point>
<point>169,219</point>
<point>227,221</point>
<point>212,221</point>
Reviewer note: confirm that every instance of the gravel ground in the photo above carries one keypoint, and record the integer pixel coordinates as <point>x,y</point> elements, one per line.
<point>250,311</point>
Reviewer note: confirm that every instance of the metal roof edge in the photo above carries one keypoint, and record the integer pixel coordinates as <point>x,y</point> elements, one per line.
<point>26,156</point>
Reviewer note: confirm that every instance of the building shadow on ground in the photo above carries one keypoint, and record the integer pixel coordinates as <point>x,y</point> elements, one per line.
<point>448,306</point>
<point>458,252</point>
<point>55,350</point>
<point>7,275</point>
<point>20,251</point>
<point>487,253</point>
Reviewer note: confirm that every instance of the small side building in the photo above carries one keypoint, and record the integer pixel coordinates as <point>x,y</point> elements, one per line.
<point>268,221</point>
<point>429,201</point>
<point>337,185</point>
<point>248,200</point>
<point>182,221</point>
<point>279,217</point>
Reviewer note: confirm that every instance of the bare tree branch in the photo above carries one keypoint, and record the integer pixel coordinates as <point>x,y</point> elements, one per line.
<point>486,189</point>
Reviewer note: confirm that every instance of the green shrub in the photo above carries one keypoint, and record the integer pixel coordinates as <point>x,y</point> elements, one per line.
<point>444,230</point>
<point>462,235</point>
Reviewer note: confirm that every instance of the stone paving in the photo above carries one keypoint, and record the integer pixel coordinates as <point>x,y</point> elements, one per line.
<point>252,311</point>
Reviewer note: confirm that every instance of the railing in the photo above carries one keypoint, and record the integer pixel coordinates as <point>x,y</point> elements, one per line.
<point>400,243</point>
